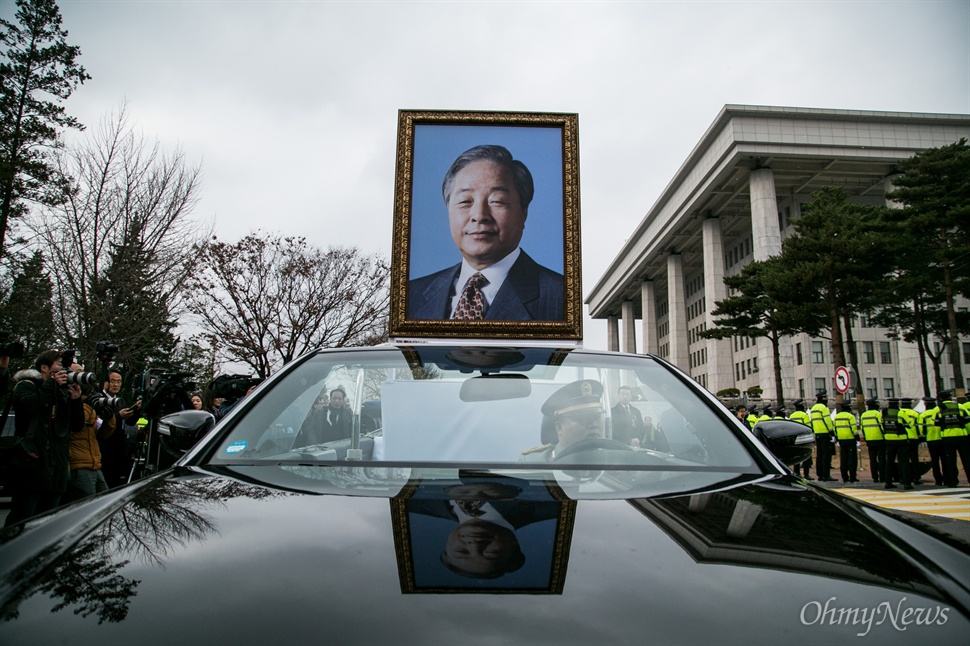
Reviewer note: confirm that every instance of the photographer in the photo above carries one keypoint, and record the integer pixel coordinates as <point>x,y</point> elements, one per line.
<point>85,452</point>
<point>48,411</point>
<point>117,448</point>
<point>4,373</point>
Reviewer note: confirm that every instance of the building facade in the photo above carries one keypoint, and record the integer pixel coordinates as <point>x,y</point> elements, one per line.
<point>732,202</point>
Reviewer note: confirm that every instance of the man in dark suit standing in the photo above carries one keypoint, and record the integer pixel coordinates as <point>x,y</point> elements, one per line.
<point>627,421</point>
<point>487,194</point>
<point>336,425</point>
<point>326,424</point>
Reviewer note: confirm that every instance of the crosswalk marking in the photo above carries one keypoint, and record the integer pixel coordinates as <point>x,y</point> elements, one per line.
<point>949,503</point>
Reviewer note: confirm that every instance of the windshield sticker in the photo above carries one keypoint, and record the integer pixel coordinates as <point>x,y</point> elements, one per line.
<point>236,447</point>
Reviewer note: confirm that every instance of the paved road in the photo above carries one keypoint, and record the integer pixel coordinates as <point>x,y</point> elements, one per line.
<point>948,503</point>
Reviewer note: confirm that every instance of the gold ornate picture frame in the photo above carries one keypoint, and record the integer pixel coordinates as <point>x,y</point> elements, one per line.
<point>494,208</point>
<point>530,556</point>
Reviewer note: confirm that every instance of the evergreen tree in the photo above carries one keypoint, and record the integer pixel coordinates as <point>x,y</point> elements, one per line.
<point>837,259</point>
<point>763,305</point>
<point>127,308</point>
<point>26,312</point>
<point>38,69</point>
<point>934,190</point>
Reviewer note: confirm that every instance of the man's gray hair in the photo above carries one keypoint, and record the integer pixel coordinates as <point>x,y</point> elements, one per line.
<point>521,177</point>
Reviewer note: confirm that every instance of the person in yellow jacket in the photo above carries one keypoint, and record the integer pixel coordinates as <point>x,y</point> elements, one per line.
<point>897,445</point>
<point>85,454</point>
<point>846,430</point>
<point>801,416</point>
<point>766,414</point>
<point>821,419</point>
<point>870,423</point>
<point>911,419</point>
<point>956,438</point>
<point>934,440</point>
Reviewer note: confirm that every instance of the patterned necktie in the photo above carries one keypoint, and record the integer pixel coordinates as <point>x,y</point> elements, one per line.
<point>471,508</point>
<point>471,305</point>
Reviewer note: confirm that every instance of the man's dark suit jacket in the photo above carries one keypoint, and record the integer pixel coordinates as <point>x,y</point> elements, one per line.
<point>517,513</point>
<point>530,292</point>
<point>316,429</point>
<point>626,425</point>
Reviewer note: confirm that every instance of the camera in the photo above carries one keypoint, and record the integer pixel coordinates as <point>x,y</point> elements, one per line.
<point>105,400</point>
<point>232,386</point>
<point>104,405</point>
<point>82,378</point>
<point>68,357</point>
<point>10,346</point>
<point>163,392</point>
<point>106,350</point>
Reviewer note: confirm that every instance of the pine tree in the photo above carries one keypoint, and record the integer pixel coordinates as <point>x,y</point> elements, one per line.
<point>934,190</point>
<point>39,71</point>
<point>27,311</point>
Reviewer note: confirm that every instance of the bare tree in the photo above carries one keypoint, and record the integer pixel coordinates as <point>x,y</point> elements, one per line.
<point>126,205</point>
<point>267,299</point>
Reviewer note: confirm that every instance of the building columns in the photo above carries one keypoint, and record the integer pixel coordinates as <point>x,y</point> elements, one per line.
<point>677,313</point>
<point>651,344</point>
<point>612,334</point>
<point>629,328</point>
<point>719,367</point>
<point>765,228</point>
<point>766,240</point>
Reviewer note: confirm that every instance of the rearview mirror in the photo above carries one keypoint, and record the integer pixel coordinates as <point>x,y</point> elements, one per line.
<point>495,387</point>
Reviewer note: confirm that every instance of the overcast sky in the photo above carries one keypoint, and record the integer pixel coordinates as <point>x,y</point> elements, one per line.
<point>291,107</point>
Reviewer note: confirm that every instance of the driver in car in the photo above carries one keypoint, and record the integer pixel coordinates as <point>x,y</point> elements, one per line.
<point>571,414</point>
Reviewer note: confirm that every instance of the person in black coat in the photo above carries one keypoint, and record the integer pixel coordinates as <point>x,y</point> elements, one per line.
<point>627,420</point>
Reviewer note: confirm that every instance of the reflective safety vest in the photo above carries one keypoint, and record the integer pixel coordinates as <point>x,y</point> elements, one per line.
<point>821,419</point>
<point>952,421</point>
<point>893,428</point>
<point>871,423</point>
<point>910,419</point>
<point>845,426</point>
<point>929,428</point>
<point>800,416</point>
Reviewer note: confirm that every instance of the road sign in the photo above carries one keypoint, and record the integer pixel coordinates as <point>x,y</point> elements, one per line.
<point>842,379</point>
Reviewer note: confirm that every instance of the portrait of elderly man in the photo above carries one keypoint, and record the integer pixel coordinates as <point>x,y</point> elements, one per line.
<point>487,195</point>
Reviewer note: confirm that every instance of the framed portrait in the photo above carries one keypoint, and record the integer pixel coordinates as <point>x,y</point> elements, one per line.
<point>521,536</point>
<point>486,227</point>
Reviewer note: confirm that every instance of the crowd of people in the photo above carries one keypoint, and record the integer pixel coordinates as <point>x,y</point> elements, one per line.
<point>891,435</point>
<point>73,440</point>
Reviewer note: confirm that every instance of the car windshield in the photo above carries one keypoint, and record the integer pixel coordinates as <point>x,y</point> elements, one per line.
<point>490,407</point>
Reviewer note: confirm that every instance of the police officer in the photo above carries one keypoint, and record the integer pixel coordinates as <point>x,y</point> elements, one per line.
<point>953,424</point>
<point>799,415</point>
<point>824,429</point>
<point>766,414</point>
<point>930,429</point>
<point>845,432</point>
<point>897,445</point>
<point>911,419</point>
<point>572,414</point>
<point>870,421</point>
<point>753,417</point>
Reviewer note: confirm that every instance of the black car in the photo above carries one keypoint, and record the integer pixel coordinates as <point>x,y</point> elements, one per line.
<point>487,503</point>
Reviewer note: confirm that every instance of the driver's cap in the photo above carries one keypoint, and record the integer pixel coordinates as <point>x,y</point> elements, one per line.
<point>581,396</point>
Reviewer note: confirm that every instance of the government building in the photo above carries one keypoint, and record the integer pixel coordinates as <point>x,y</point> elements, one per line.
<point>732,202</point>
